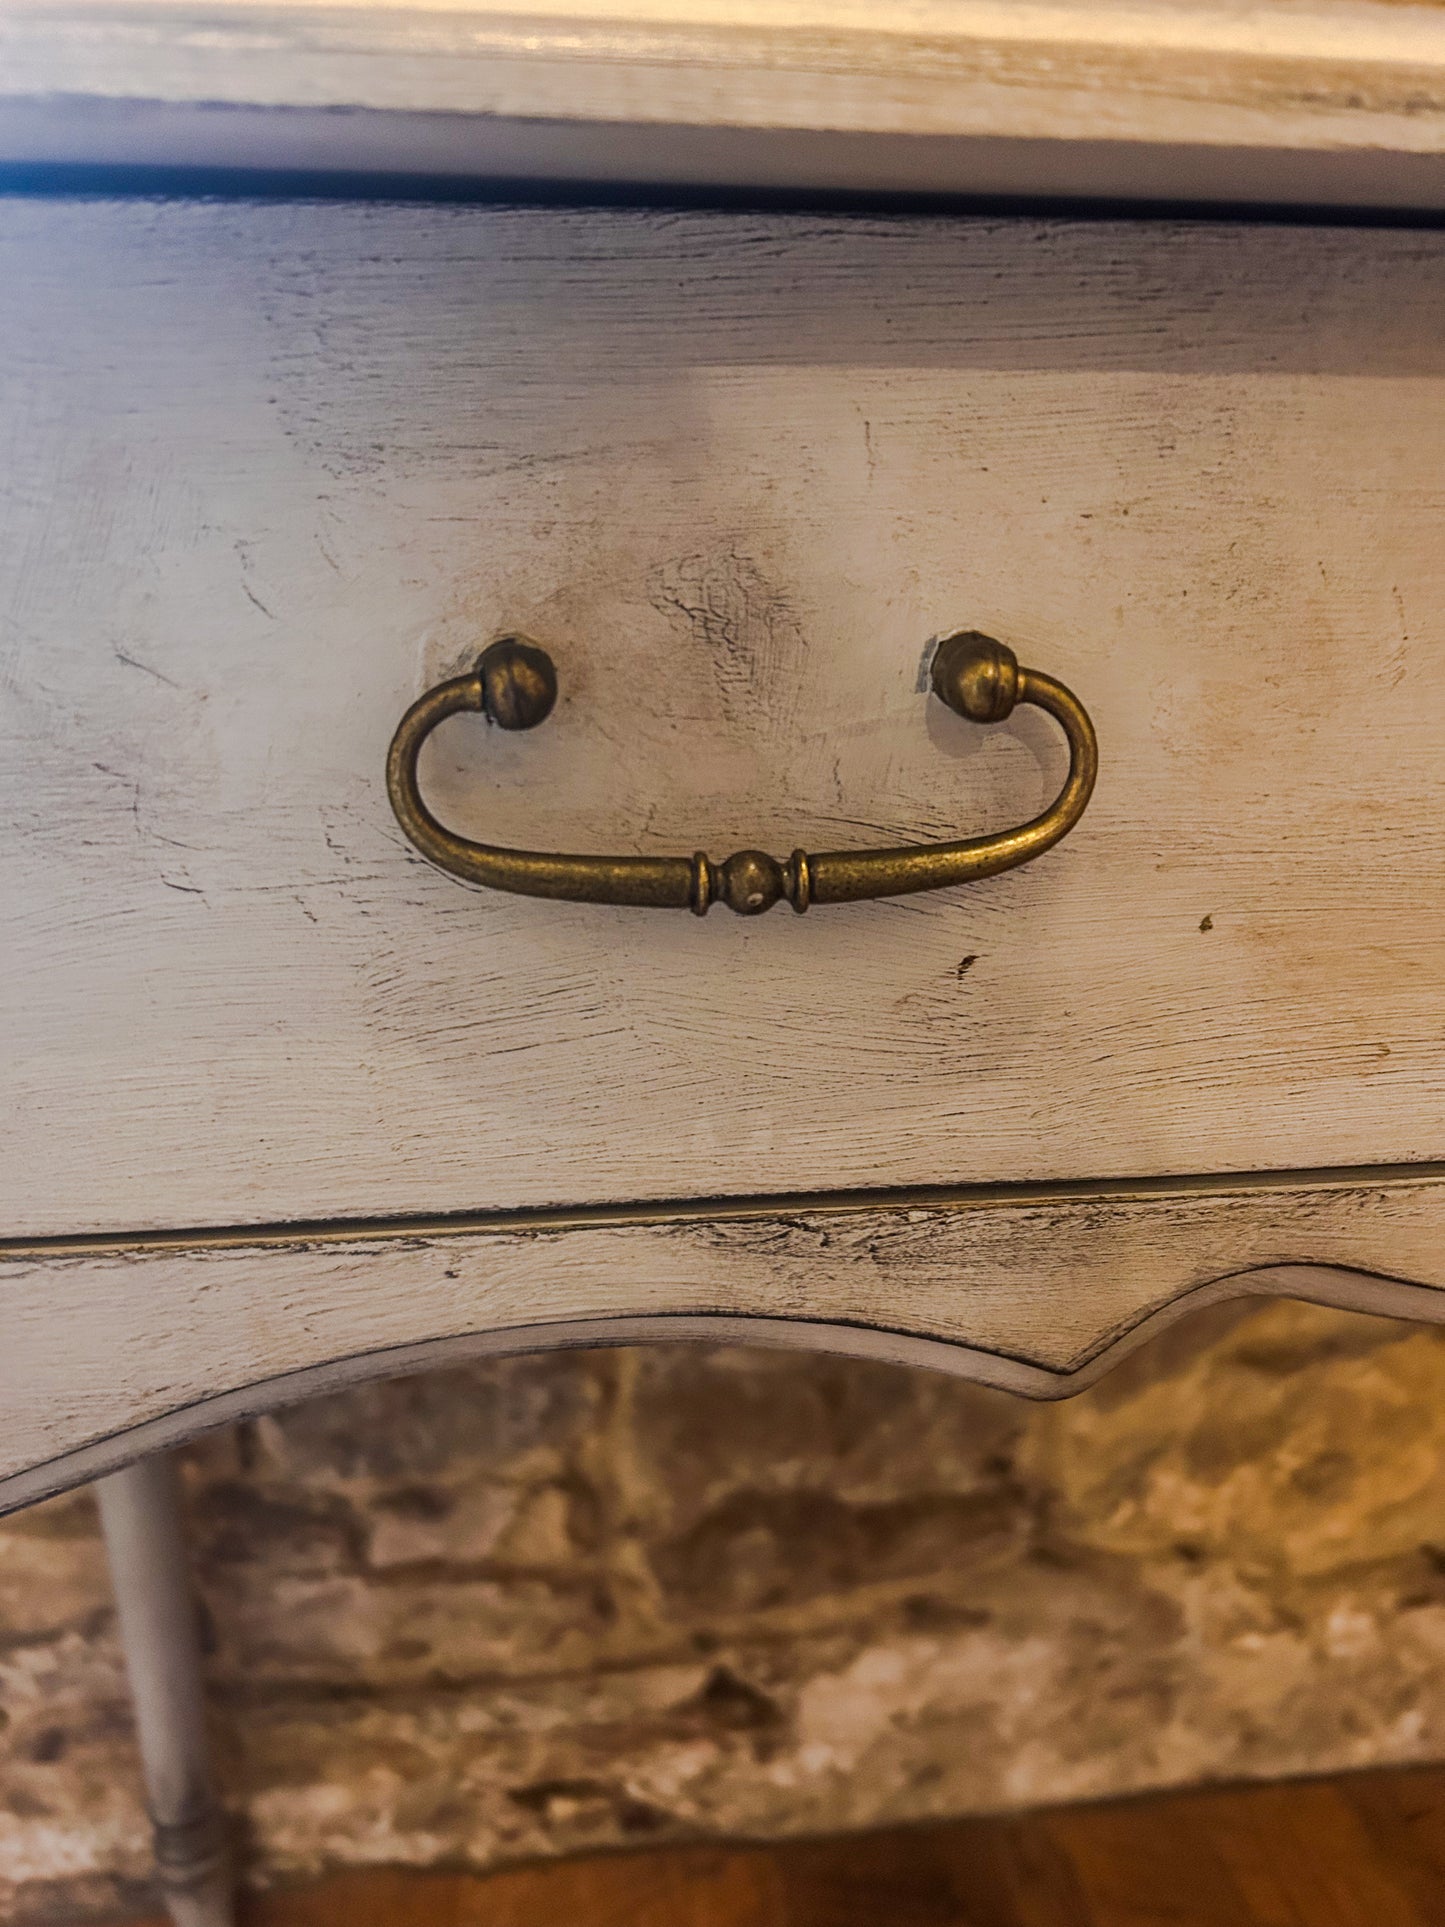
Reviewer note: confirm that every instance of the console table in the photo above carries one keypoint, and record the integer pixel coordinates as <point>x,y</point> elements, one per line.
<point>488,497</point>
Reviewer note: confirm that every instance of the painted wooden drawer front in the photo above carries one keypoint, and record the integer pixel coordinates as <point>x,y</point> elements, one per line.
<point>271,470</point>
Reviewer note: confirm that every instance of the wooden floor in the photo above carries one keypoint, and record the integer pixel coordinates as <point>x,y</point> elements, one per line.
<point>1366,1850</point>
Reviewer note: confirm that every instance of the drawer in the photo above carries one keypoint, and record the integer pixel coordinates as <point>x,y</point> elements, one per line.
<point>273,470</point>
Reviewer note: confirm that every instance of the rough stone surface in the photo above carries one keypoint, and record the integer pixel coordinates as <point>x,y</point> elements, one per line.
<point>555,1603</point>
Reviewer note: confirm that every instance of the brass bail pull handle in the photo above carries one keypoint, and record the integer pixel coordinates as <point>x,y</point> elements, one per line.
<point>515,685</point>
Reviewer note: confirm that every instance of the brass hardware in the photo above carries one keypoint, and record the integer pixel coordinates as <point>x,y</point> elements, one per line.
<point>515,685</point>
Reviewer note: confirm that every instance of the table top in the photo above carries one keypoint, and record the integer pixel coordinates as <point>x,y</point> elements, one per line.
<point>1296,101</point>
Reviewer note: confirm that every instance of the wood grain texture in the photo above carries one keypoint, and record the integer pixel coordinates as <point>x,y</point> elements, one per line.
<point>1328,1853</point>
<point>109,1352</point>
<point>270,470</point>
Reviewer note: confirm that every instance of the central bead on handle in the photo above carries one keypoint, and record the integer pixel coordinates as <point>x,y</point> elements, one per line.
<point>750,882</point>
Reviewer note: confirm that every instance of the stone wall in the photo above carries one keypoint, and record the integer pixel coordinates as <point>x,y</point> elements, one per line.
<point>556,1603</point>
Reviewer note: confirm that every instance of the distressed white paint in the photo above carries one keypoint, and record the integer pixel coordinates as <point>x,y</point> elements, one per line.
<point>270,470</point>
<point>111,1352</point>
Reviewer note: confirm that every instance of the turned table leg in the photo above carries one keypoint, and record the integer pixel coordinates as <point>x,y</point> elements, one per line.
<point>140,1515</point>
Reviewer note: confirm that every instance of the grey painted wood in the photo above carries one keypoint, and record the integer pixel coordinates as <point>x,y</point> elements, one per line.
<point>140,1515</point>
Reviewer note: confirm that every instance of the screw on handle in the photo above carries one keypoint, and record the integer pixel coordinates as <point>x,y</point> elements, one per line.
<point>514,685</point>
